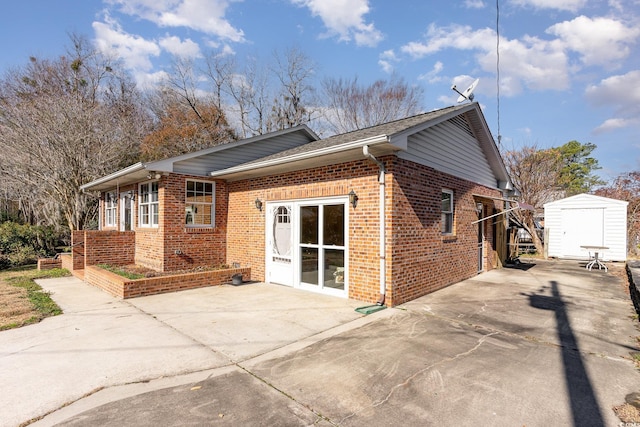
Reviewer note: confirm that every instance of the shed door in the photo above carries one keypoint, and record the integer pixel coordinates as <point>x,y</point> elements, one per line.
<point>581,226</point>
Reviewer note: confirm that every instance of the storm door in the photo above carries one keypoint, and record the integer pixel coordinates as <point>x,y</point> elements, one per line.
<point>126,211</point>
<point>322,247</point>
<point>280,244</point>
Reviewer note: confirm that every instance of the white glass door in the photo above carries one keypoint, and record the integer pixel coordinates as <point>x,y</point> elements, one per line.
<point>322,247</point>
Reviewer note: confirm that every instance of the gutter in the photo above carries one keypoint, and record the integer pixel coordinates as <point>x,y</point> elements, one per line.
<point>381,206</point>
<point>122,172</point>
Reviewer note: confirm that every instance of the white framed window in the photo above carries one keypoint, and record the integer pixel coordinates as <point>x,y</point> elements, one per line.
<point>447,212</point>
<point>149,206</point>
<point>199,206</point>
<point>110,205</point>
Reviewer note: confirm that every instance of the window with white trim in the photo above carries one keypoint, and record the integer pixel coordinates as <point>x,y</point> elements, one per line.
<point>199,203</point>
<point>149,205</point>
<point>447,212</point>
<point>110,205</point>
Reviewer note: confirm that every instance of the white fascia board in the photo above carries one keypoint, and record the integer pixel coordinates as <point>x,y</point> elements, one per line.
<point>118,174</point>
<point>304,156</point>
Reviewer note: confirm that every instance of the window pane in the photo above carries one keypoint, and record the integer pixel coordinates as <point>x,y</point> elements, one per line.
<point>199,203</point>
<point>447,223</point>
<point>309,266</point>
<point>333,227</point>
<point>154,209</point>
<point>144,214</point>
<point>189,211</point>
<point>446,202</point>
<point>334,268</point>
<point>309,225</point>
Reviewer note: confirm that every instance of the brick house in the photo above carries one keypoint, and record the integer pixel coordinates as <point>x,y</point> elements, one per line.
<point>387,213</point>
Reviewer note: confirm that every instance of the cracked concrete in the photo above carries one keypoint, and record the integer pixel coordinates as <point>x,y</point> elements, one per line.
<point>544,346</point>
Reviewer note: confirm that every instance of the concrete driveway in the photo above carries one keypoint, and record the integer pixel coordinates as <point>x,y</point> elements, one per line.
<point>545,345</point>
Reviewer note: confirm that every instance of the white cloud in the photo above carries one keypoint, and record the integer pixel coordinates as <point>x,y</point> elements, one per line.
<point>530,62</point>
<point>386,60</point>
<point>183,49</point>
<point>134,50</point>
<point>433,75</point>
<point>147,81</point>
<point>569,5</point>
<point>474,4</point>
<point>611,125</point>
<point>345,19</point>
<point>207,16</point>
<point>598,41</point>
<point>622,92</point>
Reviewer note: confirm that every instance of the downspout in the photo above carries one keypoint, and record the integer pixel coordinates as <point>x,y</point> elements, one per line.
<point>381,205</point>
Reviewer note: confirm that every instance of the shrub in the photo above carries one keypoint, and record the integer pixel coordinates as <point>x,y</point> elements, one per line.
<point>22,244</point>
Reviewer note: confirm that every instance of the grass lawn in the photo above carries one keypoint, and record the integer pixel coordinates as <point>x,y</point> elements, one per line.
<point>22,301</point>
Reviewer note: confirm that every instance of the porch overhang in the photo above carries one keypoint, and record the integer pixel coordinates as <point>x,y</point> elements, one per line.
<point>130,175</point>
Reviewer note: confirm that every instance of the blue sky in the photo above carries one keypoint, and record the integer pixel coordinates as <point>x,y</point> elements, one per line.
<point>569,69</point>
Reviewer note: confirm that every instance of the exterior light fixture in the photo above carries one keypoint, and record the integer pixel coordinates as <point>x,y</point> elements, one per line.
<point>353,199</point>
<point>258,203</point>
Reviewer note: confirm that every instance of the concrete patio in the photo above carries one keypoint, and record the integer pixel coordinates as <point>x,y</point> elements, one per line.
<point>548,344</point>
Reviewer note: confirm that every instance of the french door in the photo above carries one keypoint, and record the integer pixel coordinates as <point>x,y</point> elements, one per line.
<point>306,245</point>
<point>322,247</point>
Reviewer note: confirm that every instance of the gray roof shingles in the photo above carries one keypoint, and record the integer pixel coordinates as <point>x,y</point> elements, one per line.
<point>389,129</point>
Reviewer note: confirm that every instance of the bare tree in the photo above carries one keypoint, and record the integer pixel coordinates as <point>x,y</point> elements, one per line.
<point>292,105</point>
<point>65,122</point>
<point>186,119</point>
<point>259,98</point>
<point>536,174</point>
<point>627,187</point>
<point>351,106</point>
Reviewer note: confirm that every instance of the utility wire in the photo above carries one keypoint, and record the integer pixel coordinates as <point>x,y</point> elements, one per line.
<point>498,68</point>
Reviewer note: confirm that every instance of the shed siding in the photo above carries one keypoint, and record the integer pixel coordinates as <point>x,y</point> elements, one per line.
<point>223,159</point>
<point>615,224</point>
<point>451,147</point>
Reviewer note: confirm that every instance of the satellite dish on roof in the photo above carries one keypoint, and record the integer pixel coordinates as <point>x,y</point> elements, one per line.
<point>468,93</point>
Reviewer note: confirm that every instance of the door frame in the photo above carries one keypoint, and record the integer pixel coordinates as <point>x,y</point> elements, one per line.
<point>296,248</point>
<point>127,195</point>
<point>271,265</point>
<point>480,236</point>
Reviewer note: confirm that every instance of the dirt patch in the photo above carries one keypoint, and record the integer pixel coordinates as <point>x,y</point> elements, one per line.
<point>15,307</point>
<point>627,413</point>
<point>147,272</point>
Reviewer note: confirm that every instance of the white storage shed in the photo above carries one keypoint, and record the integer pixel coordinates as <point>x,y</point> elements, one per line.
<point>586,220</point>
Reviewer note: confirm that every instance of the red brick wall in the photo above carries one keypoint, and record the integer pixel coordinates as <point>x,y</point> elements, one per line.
<point>77,249</point>
<point>126,288</point>
<point>422,259</point>
<point>419,258</point>
<point>109,247</point>
<point>49,263</point>
<point>246,225</point>
<point>66,261</point>
<point>188,247</point>
<point>172,245</point>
